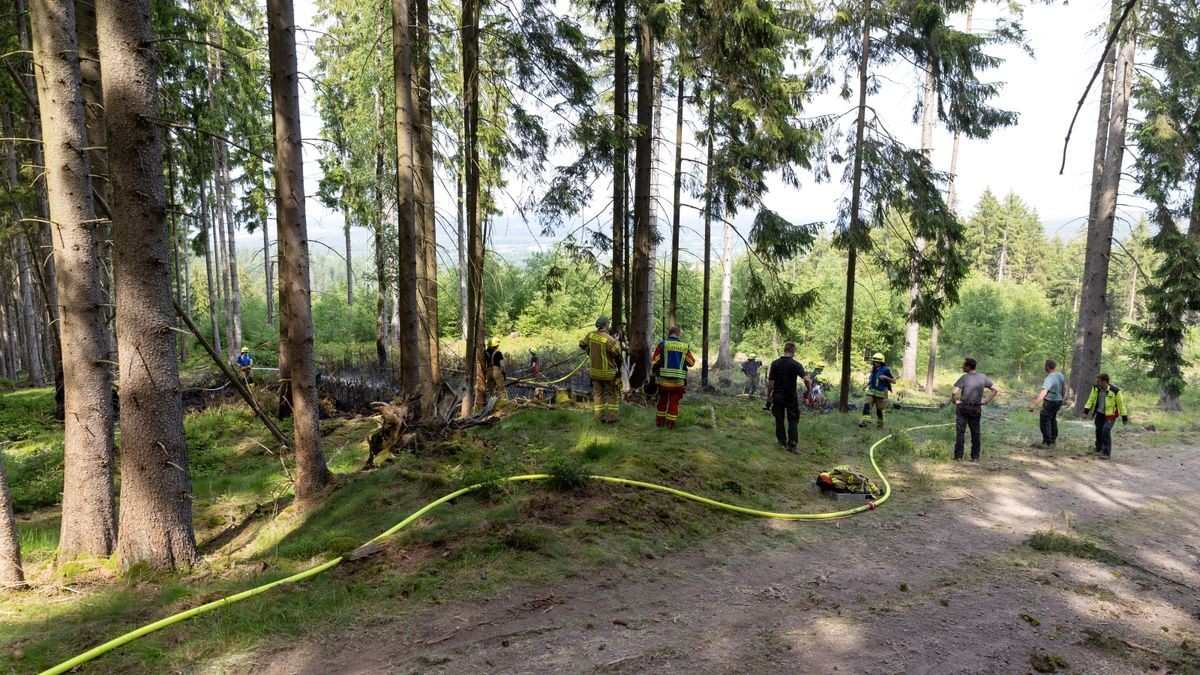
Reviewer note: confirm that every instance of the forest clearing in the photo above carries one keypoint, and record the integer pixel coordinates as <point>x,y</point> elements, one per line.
<point>630,336</point>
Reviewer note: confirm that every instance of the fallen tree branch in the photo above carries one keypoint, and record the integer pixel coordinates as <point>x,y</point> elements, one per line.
<point>234,379</point>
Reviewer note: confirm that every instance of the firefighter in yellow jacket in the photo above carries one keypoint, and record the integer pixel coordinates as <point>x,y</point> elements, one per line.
<point>604,353</point>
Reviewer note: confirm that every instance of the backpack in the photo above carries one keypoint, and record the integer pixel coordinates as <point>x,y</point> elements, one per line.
<point>842,479</point>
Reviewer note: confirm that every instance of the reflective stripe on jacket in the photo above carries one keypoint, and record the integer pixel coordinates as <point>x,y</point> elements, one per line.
<point>673,358</point>
<point>603,351</point>
<point>1114,402</point>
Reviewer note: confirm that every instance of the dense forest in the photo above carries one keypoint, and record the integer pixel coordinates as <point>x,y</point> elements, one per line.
<point>157,181</point>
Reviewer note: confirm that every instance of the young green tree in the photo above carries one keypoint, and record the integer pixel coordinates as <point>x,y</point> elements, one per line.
<point>1167,167</point>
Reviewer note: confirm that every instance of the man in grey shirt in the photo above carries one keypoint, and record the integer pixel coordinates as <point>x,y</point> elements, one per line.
<point>1051,399</point>
<point>968,400</point>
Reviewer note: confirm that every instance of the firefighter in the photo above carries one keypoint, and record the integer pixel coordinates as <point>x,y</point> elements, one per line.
<point>1106,404</point>
<point>494,359</point>
<point>245,364</point>
<point>879,383</point>
<point>604,353</point>
<point>671,360</point>
<point>750,369</point>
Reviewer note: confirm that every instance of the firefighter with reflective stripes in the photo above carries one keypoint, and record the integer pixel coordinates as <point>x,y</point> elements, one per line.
<point>672,357</point>
<point>604,353</point>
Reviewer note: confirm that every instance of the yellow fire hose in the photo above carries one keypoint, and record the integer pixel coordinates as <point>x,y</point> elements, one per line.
<point>229,600</point>
<point>536,382</point>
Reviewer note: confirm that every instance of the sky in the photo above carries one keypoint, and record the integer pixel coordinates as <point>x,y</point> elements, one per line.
<point>1042,89</point>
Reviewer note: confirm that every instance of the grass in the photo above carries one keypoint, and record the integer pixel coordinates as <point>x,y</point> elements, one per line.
<point>500,537</point>
<point>1068,544</point>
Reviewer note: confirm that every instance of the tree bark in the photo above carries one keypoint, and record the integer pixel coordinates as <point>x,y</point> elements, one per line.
<point>156,499</point>
<point>620,158</point>
<point>312,474</point>
<point>855,205</point>
<point>639,320</point>
<point>407,242</point>
<point>1089,335</point>
<point>460,209</point>
<point>474,347</point>
<point>346,219</point>
<point>88,511</point>
<point>12,576</point>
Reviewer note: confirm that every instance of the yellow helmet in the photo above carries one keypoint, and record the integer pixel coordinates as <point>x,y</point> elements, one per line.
<point>493,342</point>
<point>752,356</point>
<point>877,357</point>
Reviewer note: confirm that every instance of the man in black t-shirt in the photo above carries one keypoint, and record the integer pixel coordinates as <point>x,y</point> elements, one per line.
<point>782,396</point>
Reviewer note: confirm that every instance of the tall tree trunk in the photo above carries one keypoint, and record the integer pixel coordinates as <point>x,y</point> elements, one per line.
<point>855,205</point>
<point>427,215</point>
<point>708,206</point>
<point>1089,336</point>
<point>346,219</point>
<point>12,576</point>
<point>209,265</point>
<point>222,245</point>
<point>676,203</point>
<point>407,242</point>
<point>724,361</point>
<point>88,510</point>
<point>10,342</point>
<point>620,158</point>
<point>312,474</point>
<point>460,212</point>
<point>93,117</point>
<point>1131,315</point>
<point>639,320</point>
<point>474,346</point>
<point>176,255</point>
<point>30,329</point>
<point>156,500</point>
<point>268,263</point>
<point>382,317</point>
<point>912,330</point>
<point>42,243</point>
<point>226,188</point>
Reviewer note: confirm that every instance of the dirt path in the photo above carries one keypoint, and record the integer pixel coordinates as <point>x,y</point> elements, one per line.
<point>948,589</point>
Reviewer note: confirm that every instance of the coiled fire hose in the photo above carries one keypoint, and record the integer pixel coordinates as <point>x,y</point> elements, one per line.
<point>311,572</point>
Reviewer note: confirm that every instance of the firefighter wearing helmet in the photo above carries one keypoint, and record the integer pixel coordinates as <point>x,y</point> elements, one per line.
<point>604,353</point>
<point>879,383</point>
<point>494,360</point>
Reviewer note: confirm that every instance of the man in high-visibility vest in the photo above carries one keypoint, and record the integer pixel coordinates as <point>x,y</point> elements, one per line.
<point>604,352</point>
<point>671,359</point>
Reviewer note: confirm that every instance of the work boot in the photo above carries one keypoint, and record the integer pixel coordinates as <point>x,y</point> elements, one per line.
<point>879,425</point>
<point>862,424</point>
<point>1105,455</point>
<point>791,447</point>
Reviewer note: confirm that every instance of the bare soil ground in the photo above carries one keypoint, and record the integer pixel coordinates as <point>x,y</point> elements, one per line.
<point>945,584</point>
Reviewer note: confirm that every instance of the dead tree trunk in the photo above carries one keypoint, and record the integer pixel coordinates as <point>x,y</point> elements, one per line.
<point>235,290</point>
<point>88,511</point>
<point>1089,336</point>
<point>708,207</point>
<point>209,264</point>
<point>620,159</point>
<point>912,330</point>
<point>156,506</point>
<point>312,474</point>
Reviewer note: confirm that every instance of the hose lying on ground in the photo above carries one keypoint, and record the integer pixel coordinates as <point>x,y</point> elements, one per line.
<point>229,600</point>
